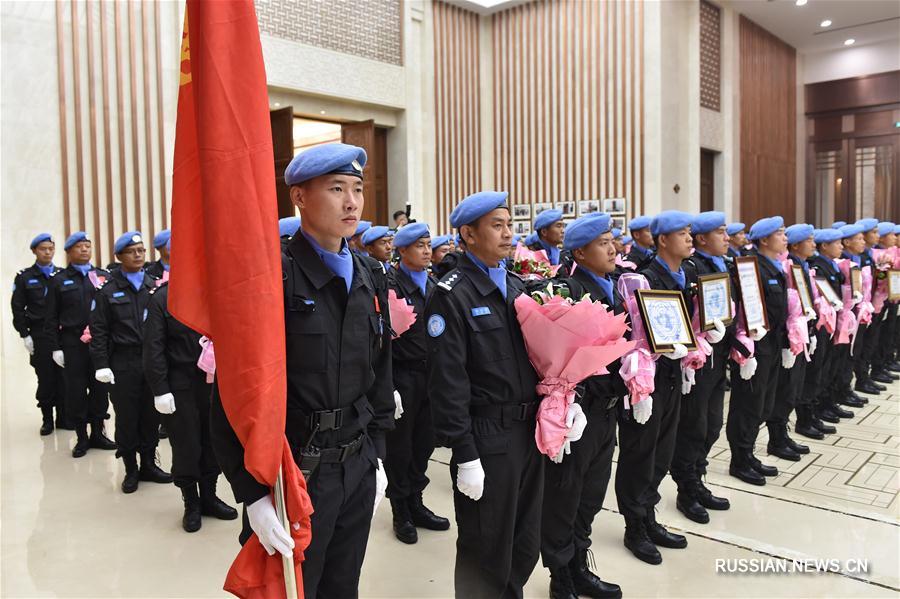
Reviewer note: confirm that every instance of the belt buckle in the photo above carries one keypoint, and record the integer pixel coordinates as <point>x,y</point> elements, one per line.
<point>331,420</point>
<point>523,412</point>
<point>345,450</point>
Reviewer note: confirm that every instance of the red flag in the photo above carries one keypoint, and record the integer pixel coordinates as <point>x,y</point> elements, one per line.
<point>226,279</point>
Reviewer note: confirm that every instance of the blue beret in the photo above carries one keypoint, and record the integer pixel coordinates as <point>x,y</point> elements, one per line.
<point>457,239</point>
<point>706,222</point>
<point>75,238</point>
<point>362,227</point>
<point>287,227</point>
<point>410,233</point>
<point>586,229</point>
<point>838,224</point>
<point>765,227</point>
<point>547,218</point>
<point>341,159</point>
<point>161,238</point>
<point>669,222</point>
<point>848,231</point>
<point>440,240</point>
<point>641,222</point>
<point>475,206</point>
<point>799,233</point>
<point>627,239</point>
<point>129,238</point>
<point>886,228</point>
<point>515,240</point>
<point>826,235</point>
<point>867,224</point>
<point>41,238</point>
<point>735,228</point>
<point>530,239</point>
<point>169,244</point>
<point>897,229</point>
<point>373,234</point>
<point>616,232</point>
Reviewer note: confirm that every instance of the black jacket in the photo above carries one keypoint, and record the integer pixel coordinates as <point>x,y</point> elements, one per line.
<point>774,285</point>
<point>411,348</point>
<point>699,265</point>
<point>29,300</point>
<point>826,270</point>
<point>667,371</point>
<point>70,296</point>
<point>155,269</point>
<point>117,320</point>
<point>171,349</point>
<point>638,258</point>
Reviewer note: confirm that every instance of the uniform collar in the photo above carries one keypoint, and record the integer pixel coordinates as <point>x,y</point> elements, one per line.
<point>309,261</point>
<point>478,273</point>
<point>419,279</point>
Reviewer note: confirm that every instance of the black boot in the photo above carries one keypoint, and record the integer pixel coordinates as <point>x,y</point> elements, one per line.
<point>687,502</point>
<point>893,366</point>
<point>130,482</point>
<point>586,582</point>
<point>778,445</point>
<point>763,469</point>
<point>150,471</point>
<point>851,402</point>
<point>710,501</point>
<point>404,529</point>
<point>867,386</point>
<point>561,585</point>
<point>190,522</point>
<point>638,542</point>
<point>805,426</point>
<point>856,396</point>
<point>662,537</point>
<point>163,431</point>
<point>797,447</point>
<point>828,414</point>
<point>422,517</point>
<point>825,428</point>
<point>83,443</point>
<point>210,504</point>
<point>882,377</point>
<point>46,421</point>
<point>841,412</point>
<point>745,472</point>
<point>98,439</point>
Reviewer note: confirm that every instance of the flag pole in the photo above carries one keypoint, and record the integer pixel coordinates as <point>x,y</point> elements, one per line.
<point>290,575</point>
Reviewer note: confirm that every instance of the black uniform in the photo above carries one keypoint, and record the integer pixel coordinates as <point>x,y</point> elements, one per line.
<point>639,256</point>
<point>117,337</point>
<point>155,269</point>
<point>29,310</point>
<point>411,443</point>
<point>867,335</point>
<point>70,296</point>
<point>887,320</point>
<point>821,371</point>
<point>483,402</point>
<point>752,401</point>
<point>339,404</point>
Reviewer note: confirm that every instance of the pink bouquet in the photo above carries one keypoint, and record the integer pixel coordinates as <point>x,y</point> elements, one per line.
<point>163,278</point>
<point>207,360</point>
<point>532,265</point>
<point>826,312</point>
<point>96,280</point>
<point>623,263</point>
<point>402,314</point>
<point>847,322</point>
<point>567,342</point>
<point>798,332</point>
<point>638,369</point>
<point>86,335</point>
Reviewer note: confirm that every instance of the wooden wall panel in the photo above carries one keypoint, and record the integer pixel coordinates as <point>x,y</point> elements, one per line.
<point>768,124</point>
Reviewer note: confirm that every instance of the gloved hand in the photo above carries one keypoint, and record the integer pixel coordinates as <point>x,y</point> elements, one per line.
<point>748,369</point>
<point>264,522</point>
<point>688,380</point>
<point>470,479</point>
<point>576,421</point>
<point>642,410</point>
<point>165,403</point>
<point>29,345</point>
<point>381,483</point>
<point>60,358</point>
<point>787,359</point>
<point>857,297</point>
<point>757,334</point>
<point>717,334</point>
<point>813,344</point>
<point>398,405</point>
<point>678,351</point>
<point>105,375</point>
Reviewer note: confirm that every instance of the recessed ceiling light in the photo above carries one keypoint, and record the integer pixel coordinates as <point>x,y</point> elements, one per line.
<point>849,42</point>
<point>801,2</point>
<point>321,112</point>
<point>277,104</point>
<point>825,23</point>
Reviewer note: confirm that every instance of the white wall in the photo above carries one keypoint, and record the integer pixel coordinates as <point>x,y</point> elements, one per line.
<point>851,62</point>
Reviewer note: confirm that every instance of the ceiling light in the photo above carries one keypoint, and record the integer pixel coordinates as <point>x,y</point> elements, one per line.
<point>825,23</point>
<point>277,104</point>
<point>321,112</point>
<point>849,42</point>
<point>801,2</point>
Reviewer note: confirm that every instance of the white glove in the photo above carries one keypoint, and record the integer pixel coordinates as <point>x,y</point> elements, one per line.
<point>60,358</point>
<point>165,403</point>
<point>688,380</point>
<point>381,483</point>
<point>813,344</point>
<point>105,375</point>
<point>642,410</point>
<point>757,334</point>
<point>470,479</point>
<point>748,369</point>
<point>717,334</point>
<point>678,351</point>
<point>398,405</point>
<point>29,344</point>
<point>576,421</point>
<point>787,359</point>
<point>271,534</point>
<point>857,297</point>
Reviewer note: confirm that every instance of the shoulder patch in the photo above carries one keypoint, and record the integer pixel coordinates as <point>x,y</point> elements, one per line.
<point>21,271</point>
<point>451,279</point>
<point>93,305</point>
<point>436,325</point>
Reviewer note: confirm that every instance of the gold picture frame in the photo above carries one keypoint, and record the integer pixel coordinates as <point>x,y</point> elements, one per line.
<point>803,291</point>
<point>828,291</point>
<point>666,320</point>
<point>752,299</point>
<point>713,288</point>
<point>893,277</point>
<point>855,280</point>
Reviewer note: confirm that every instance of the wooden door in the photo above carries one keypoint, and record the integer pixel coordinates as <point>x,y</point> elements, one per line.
<point>362,134</point>
<point>707,180</point>
<point>283,146</point>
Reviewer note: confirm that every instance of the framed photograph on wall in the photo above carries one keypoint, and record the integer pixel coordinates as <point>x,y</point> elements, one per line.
<point>665,319</point>
<point>588,207</point>
<point>714,300</point>
<point>750,285</point>
<point>540,207</point>
<point>568,209</point>
<point>618,222</point>
<point>522,227</point>
<point>614,205</point>
<point>522,211</point>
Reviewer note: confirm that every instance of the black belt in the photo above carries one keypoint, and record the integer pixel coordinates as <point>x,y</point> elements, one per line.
<point>515,412</point>
<point>312,457</point>
<point>332,420</point>
<point>417,365</point>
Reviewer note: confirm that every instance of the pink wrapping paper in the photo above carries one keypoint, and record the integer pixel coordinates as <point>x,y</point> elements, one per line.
<point>86,335</point>
<point>567,343</point>
<point>163,278</point>
<point>798,333</point>
<point>523,255</point>
<point>696,359</point>
<point>638,369</point>
<point>402,314</point>
<point>827,314</point>
<point>96,280</point>
<point>847,323</point>
<point>865,309</point>
<point>207,360</point>
<point>740,334</point>
<point>623,263</point>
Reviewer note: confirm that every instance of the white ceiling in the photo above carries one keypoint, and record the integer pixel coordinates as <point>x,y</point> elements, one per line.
<point>866,21</point>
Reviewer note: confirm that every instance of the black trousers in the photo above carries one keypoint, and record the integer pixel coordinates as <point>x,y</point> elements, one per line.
<point>51,388</point>
<point>862,351</point>
<point>87,399</point>
<point>787,393</point>
<point>645,450</point>
<point>192,452</point>
<point>752,403</point>
<point>700,422</point>
<point>137,421</point>
<point>817,371</point>
<point>411,443</point>
<point>499,536</point>
<point>886,345</point>
<point>841,367</point>
<point>574,490</point>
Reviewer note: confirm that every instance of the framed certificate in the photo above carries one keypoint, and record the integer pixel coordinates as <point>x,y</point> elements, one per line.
<point>665,320</point>
<point>714,297</point>
<point>802,290</point>
<point>855,280</point>
<point>893,285</point>
<point>827,290</point>
<point>750,285</point>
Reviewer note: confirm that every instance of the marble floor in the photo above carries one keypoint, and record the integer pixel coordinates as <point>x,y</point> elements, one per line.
<point>67,531</point>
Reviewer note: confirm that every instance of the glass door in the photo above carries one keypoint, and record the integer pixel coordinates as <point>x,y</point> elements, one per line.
<point>875,172</point>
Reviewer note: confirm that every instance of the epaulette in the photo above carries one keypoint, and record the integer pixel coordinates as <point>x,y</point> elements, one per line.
<point>22,271</point>
<point>152,290</point>
<point>450,279</point>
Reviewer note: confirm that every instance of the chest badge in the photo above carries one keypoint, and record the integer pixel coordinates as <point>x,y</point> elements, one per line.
<point>436,325</point>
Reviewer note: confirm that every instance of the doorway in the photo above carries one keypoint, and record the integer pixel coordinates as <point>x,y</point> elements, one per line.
<point>707,180</point>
